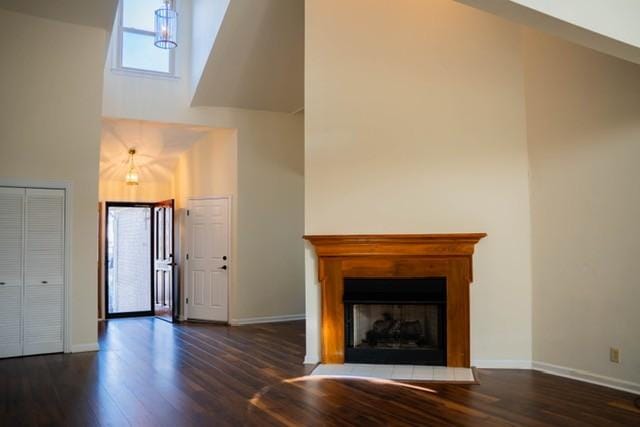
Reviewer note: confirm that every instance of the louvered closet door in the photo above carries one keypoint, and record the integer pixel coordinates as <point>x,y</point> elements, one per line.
<point>44,272</point>
<point>11,241</point>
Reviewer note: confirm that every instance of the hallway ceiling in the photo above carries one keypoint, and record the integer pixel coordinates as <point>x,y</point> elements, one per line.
<point>158,147</point>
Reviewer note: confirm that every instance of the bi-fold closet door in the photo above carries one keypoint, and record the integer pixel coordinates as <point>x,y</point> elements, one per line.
<point>31,271</point>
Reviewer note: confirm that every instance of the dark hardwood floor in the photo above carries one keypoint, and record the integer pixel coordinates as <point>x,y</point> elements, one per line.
<point>152,373</point>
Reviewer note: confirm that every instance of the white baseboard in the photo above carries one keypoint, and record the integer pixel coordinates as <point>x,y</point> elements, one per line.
<point>311,360</point>
<point>487,364</point>
<point>577,374</point>
<point>267,319</point>
<point>81,348</point>
<point>561,371</point>
<point>501,364</point>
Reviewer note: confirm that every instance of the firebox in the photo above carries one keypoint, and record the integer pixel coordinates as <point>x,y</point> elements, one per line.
<point>395,320</point>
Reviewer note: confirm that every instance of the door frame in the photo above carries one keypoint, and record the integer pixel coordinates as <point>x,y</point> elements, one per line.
<point>230,257</point>
<point>67,187</point>
<point>175,272</point>
<point>151,311</point>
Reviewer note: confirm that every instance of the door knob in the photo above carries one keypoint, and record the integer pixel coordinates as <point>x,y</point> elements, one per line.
<point>224,258</point>
<point>224,267</point>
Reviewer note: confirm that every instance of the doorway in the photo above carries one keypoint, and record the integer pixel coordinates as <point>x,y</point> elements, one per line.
<point>165,294</point>
<point>139,266</point>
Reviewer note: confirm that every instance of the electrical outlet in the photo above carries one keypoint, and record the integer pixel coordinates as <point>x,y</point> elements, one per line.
<point>614,355</point>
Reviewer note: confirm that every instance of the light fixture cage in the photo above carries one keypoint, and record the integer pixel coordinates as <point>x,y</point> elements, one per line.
<point>132,177</point>
<point>166,26</point>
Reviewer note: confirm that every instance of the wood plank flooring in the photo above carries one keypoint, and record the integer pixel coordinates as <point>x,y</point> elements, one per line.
<point>152,373</point>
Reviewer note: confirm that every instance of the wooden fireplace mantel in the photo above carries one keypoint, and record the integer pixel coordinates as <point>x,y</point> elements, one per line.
<point>396,255</point>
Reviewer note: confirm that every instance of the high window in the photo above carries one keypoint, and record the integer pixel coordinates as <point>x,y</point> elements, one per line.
<point>135,48</point>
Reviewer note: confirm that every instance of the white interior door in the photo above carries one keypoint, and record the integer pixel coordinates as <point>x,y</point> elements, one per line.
<point>11,255</point>
<point>207,259</point>
<point>43,272</point>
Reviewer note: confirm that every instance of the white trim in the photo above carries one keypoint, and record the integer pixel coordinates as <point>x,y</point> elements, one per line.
<point>67,186</point>
<point>588,377</point>
<point>220,196</point>
<point>102,234</point>
<point>117,51</point>
<point>68,259</point>
<point>267,319</point>
<point>501,364</point>
<point>482,364</point>
<point>81,348</point>
<point>135,72</point>
<point>230,259</point>
<point>561,371</point>
<point>311,359</point>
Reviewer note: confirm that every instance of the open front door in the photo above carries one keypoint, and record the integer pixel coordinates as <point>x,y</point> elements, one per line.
<point>165,280</point>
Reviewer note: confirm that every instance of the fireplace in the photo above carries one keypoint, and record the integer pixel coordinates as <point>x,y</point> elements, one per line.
<point>395,320</point>
<point>402,282</point>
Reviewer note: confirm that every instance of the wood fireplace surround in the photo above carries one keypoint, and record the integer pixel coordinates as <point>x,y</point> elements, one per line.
<point>401,255</point>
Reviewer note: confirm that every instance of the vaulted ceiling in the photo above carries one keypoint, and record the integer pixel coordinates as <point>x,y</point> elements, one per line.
<point>257,60</point>
<point>610,26</point>
<point>254,55</point>
<point>92,13</point>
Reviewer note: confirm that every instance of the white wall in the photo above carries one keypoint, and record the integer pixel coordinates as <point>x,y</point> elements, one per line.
<point>415,123</point>
<point>209,168</point>
<point>583,114</point>
<point>265,181</point>
<point>50,99</point>
<point>271,217</point>
<point>145,191</point>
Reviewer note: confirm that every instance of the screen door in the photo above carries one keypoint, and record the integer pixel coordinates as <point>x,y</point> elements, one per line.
<point>128,253</point>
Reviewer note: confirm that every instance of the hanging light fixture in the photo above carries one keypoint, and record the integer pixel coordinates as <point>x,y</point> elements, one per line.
<point>167,26</point>
<point>132,177</point>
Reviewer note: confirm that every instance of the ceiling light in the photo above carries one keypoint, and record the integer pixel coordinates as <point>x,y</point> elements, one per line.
<point>132,177</point>
<point>167,26</point>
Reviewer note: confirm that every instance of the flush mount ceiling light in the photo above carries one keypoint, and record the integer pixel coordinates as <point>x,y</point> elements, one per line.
<point>132,177</point>
<point>167,26</point>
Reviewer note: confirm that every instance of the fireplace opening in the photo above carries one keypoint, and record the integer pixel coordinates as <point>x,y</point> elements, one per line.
<point>395,320</point>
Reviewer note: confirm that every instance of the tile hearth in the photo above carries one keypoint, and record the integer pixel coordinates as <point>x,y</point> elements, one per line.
<point>397,372</point>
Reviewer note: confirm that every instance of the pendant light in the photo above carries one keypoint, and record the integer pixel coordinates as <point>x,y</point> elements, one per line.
<point>132,177</point>
<point>167,26</point>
